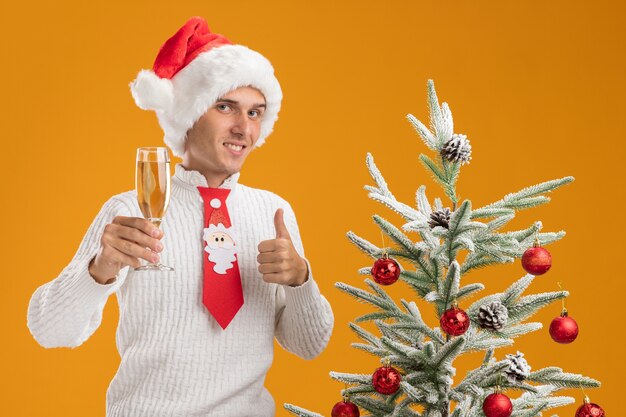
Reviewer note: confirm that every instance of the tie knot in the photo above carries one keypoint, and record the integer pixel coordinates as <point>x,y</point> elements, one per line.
<point>208,194</point>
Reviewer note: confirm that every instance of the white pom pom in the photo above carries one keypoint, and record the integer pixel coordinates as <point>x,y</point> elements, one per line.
<point>152,92</point>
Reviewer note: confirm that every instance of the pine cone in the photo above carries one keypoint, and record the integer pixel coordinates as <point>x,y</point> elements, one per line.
<point>457,149</point>
<point>493,315</point>
<point>518,369</point>
<point>440,218</point>
<point>417,345</point>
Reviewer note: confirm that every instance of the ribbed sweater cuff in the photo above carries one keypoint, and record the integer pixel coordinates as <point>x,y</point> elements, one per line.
<point>82,285</point>
<point>303,295</point>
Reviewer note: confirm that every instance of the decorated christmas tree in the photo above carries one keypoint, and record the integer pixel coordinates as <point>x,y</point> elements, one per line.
<point>438,246</point>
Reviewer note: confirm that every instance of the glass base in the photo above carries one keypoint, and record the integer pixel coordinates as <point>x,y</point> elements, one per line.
<point>155,267</point>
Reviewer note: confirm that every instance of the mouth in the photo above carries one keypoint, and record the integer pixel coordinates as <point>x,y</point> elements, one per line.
<point>236,149</point>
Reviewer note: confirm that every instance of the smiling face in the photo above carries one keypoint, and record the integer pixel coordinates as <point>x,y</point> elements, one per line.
<point>219,142</point>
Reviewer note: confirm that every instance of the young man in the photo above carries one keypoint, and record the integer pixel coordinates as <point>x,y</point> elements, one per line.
<point>197,341</point>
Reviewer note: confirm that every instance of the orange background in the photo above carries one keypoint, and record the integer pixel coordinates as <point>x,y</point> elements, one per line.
<point>537,86</point>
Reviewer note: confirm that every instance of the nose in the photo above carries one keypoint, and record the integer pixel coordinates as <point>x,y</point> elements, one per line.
<point>242,125</point>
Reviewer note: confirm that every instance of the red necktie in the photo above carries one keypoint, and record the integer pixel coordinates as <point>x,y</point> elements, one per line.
<point>222,293</point>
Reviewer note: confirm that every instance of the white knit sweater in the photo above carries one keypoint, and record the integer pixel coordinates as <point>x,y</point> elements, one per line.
<point>175,359</point>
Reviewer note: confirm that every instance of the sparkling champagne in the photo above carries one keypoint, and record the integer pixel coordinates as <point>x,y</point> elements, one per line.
<point>153,189</point>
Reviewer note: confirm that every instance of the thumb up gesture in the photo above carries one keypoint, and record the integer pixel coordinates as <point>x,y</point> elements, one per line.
<point>278,260</point>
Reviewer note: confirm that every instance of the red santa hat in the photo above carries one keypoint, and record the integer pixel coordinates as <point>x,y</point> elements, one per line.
<point>218,216</point>
<point>193,69</point>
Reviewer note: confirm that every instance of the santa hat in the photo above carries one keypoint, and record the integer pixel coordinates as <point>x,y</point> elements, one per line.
<point>218,216</point>
<point>193,69</point>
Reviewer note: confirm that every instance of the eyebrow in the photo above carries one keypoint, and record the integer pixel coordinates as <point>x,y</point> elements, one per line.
<point>227,100</point>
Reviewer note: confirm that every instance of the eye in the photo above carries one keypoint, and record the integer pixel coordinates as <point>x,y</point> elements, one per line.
<point>222,239</point>
<point>217,239</point>
<point>223,107</point>
<point>255,114</point>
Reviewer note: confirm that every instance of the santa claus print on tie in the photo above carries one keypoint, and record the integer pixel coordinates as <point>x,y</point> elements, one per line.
<point>220,245</point>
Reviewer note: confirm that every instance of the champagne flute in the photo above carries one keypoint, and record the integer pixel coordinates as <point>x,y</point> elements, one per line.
<point>152,182</point>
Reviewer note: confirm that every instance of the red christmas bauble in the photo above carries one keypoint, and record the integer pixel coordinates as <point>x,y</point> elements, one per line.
<point>497,405</point>
<point>455,321</point>
<point>386,380</point>
<point>536,260</point>
<point>590,410</point>
<point>345,409</point>
<point>385,271</point>
<point>564,329</point>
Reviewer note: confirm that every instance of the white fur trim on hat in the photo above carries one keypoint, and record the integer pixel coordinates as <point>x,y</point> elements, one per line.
<point>152,92</point>
<point>196,87</point>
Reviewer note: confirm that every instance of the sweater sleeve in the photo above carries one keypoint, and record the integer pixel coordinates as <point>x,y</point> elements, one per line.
<point>304,318</point>
<point>67,310</point>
